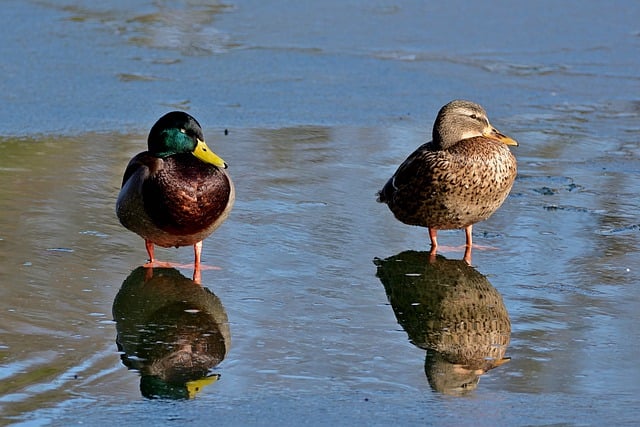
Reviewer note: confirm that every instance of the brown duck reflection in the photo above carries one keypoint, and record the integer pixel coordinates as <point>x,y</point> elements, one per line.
<point>450,310</point>
<point>171,330</point>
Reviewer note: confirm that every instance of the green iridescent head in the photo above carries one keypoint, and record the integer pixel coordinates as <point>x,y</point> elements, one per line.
<point>177,132</point>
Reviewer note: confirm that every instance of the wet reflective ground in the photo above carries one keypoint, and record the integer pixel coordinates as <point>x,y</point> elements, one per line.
<point>323,309</point>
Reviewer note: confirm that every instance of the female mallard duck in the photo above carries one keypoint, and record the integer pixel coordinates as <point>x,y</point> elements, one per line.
<point>176,193</point>
<point>459,178</point>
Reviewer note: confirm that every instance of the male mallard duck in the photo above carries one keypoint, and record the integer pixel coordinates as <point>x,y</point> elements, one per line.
<point>459,178</point>
<point>176,193</point>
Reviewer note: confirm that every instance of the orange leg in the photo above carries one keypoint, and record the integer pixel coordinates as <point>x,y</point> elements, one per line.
<point>197,275</point>
<point>467,255</point>
<point>467,250</point>
<point>197,251</point>
<point>149,245</point>
<point>152,258</point>
<point>467,232</point>
<point>433,235</point>
<point>197,268</point>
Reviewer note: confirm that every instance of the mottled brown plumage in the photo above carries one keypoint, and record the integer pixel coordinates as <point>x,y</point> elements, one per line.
<point>176,193</point>
<point>450,310</point>
<point>459,178</point>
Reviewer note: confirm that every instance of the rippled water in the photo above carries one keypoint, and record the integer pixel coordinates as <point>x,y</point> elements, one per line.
<point>306,318</point>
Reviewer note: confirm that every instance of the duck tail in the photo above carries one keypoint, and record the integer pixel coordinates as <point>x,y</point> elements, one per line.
<point>386,194</point>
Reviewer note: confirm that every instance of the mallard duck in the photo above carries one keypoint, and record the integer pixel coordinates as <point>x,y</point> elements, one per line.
<point>459,178</point>
<point>178,192</point>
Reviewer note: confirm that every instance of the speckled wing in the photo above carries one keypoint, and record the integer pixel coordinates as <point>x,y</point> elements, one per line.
<point>453,188</point>
<point>404,175</point>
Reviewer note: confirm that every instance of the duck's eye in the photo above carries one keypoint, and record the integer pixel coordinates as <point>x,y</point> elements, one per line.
<point>474,117</point>
<point>183,130</point>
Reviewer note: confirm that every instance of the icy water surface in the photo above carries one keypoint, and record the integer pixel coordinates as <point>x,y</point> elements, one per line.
<point>322,308</point>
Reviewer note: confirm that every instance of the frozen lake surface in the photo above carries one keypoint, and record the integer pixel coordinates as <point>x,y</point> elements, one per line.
<point>311,322</point>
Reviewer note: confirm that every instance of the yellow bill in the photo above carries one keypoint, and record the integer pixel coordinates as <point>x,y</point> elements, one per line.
<point>502,361</point>
<point>494,133</point>
<point>204,153</point>
<point>195,387</point>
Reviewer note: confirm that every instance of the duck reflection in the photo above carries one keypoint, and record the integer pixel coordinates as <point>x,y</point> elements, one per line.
<point>171,330</point>
<point>450,310</point>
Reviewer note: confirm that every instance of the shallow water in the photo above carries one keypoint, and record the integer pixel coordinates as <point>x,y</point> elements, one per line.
<point>322,101</point>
